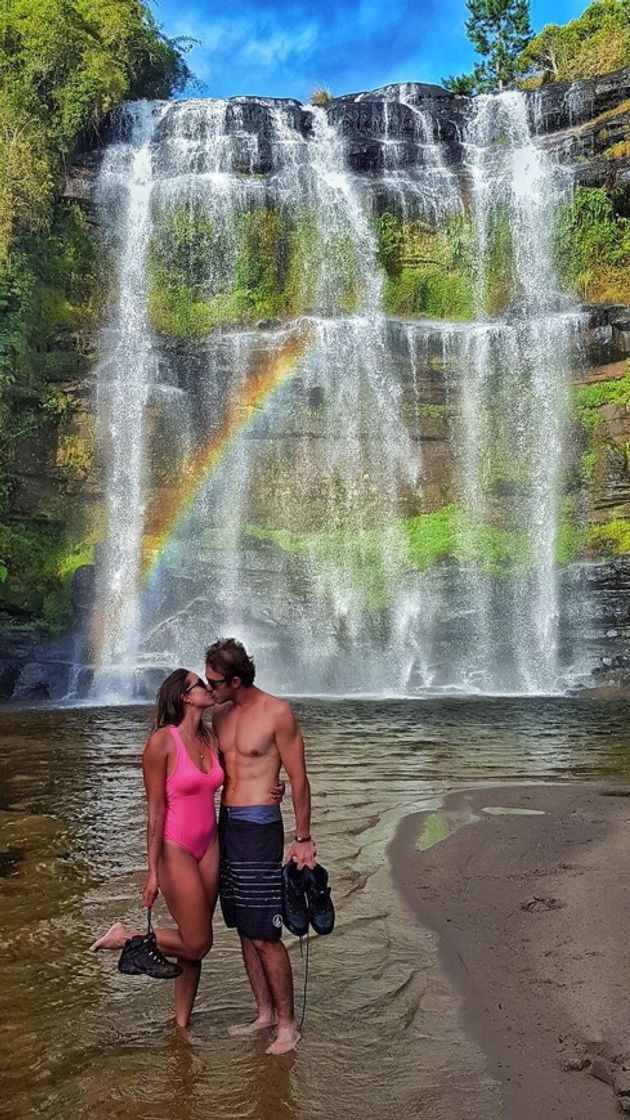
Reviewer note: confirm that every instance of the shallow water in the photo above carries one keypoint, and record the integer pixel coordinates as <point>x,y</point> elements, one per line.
<point>382,1036</point>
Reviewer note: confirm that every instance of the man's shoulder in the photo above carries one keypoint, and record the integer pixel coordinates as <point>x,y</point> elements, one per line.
<point>271,707</point>
<point>279,710</point>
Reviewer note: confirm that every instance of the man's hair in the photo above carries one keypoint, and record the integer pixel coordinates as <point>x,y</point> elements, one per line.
<point>229,657</point>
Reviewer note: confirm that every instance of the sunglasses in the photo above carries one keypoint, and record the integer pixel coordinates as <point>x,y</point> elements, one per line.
<point>196,684</point>
<point>215,684</point>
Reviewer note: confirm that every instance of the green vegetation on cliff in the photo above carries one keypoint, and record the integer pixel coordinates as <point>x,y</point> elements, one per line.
<point>601,408</point>
<point>262,263</point>
<point>64,64</point>
<point>427,272</point>
<point>610,536</point>
<point>592,245</point>
<point>445,535</point>
<point>589,399</point>
<point>598,42</point>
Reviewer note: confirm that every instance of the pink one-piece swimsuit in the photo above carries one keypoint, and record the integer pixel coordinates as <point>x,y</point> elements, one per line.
<point>190,818</point>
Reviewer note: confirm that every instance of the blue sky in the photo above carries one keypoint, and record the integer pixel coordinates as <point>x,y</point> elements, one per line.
<point>288,48</point>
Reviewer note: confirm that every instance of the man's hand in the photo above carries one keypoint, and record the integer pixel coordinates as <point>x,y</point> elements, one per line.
<point>303,852</point>
<point>151,890</point>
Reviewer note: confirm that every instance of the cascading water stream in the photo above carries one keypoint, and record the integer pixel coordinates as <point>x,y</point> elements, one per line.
<point>124,189</point>
<point>267,480</point>
<point>515,394</point>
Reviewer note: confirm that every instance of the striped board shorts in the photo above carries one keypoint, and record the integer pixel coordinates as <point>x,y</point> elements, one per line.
<point>251,846</point>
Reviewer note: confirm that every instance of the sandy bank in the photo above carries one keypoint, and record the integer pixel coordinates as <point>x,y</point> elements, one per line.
<point>533,915</point>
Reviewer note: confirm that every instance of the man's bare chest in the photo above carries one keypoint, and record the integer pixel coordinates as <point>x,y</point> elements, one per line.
<point>246,739</point>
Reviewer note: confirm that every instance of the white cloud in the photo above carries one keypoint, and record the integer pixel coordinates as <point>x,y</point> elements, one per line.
<point>280,46</point>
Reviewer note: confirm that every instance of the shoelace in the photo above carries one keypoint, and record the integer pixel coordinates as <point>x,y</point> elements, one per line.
<point>303,1015</point>
<point>154,952</point>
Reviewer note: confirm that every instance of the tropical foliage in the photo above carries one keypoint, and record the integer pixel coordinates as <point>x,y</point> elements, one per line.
<point>598,42</point>
<point>64,65</point>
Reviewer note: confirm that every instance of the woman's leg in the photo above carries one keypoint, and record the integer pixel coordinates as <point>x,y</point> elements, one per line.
<point>177,942</point>
<point>182,883</point>
<point>186,985</point>
<point>209,871</point>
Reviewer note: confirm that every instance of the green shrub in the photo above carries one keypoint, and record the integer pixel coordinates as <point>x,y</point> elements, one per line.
<point>64,64</point>
<point>592,247</point>
<point>589,464</point>
<point>499,263</point>
<point>571,542</point>
<point>321,96</point>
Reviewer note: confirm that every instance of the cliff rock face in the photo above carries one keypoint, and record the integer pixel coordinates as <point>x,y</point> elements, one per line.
<point>586,126</point>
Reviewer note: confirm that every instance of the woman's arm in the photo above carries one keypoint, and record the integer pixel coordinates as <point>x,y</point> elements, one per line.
<point>154,760</point>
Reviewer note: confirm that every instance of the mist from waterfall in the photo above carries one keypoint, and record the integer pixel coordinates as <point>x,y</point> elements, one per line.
<point>297,541</point>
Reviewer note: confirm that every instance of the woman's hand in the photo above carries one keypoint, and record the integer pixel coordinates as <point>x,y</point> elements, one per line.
<point>277,791</point>
<point>151,890</point>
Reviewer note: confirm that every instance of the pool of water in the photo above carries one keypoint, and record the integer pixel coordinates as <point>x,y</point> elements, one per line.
<point>382,1036</point>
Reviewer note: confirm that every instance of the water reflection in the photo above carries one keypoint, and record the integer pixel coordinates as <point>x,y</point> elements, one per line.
<point>382,1034</point>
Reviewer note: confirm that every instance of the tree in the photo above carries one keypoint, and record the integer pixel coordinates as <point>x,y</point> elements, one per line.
<point>595,43</point>
<point>499,30</point>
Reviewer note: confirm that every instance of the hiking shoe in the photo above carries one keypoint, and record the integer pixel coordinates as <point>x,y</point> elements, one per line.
<point>294,913</point>
<point>141,957</point>
<point>321,911</point>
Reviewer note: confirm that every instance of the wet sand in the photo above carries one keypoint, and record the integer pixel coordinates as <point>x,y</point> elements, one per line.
<point>533,917</point>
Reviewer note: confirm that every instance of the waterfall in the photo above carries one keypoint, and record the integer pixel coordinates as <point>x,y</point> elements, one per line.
<point>124,195</point>
<point>273,447</point>
<point>515,393</point>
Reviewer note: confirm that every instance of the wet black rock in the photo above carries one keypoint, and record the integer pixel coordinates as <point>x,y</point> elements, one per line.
<point>41,680</point>
<point>83,590</point>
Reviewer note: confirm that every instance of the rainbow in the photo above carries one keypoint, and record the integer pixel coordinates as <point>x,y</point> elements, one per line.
<point>194,474</point>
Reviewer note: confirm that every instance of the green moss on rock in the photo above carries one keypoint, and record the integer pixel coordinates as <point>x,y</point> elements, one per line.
<point>447,535</point>
<point>610,536</point>
<point>589,399</point>
<point>427,272</point>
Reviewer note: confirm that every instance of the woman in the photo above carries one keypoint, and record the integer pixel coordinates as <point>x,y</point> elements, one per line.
<point>182,772</point>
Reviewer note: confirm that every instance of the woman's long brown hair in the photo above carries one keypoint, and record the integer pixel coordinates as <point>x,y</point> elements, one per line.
<point>170,702</point>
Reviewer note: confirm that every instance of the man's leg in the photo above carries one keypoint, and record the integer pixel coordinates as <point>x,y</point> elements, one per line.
<point>262,994</point>
<point>277,972</point>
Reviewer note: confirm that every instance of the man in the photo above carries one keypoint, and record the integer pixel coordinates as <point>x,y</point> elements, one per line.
<point>257,734</point>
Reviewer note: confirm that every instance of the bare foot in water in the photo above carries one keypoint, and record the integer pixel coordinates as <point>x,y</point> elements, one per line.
<point>184,1034</point>
<point>284,1041</point>
<point>114,938</point>
<point>242,1030</point>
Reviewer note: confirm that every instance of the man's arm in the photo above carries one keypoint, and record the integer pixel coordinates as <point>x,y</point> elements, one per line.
<point>290,744</point>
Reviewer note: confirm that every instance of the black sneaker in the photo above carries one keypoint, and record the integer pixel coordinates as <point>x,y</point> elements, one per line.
<point>294,912</point>
<point>321,911</point>
<point>141,957</point>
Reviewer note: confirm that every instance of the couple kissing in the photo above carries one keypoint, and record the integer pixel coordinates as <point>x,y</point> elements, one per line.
<point>193,859</point>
